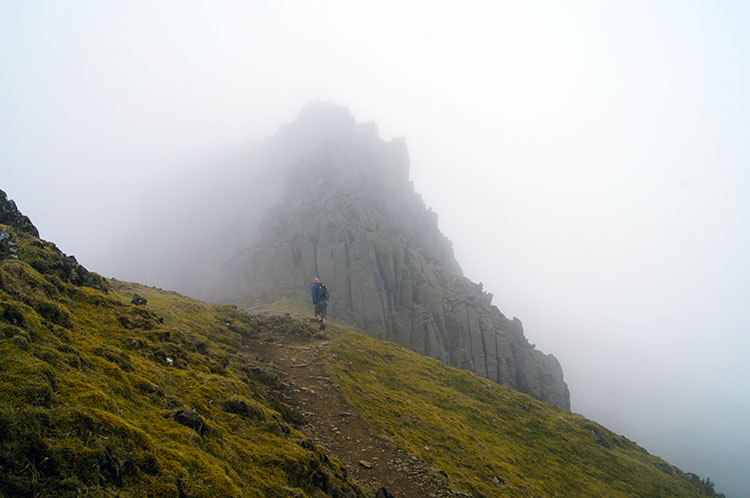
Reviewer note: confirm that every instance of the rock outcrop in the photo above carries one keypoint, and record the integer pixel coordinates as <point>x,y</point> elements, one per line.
<point>43,256</point>
<point>351,216</point>
<point>189,418</point>
<point>10,215</point>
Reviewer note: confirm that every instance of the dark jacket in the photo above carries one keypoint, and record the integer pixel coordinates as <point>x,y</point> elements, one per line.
<point>315,293</point>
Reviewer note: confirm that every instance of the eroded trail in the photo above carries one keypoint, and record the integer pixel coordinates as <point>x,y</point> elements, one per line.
<point>330,421</point>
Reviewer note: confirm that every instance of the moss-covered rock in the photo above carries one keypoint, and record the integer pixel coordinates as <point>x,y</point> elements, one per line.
<point>10,215</point>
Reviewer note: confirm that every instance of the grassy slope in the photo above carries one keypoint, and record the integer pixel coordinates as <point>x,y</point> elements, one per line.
<point>85,387</point>
<point>476,430</point>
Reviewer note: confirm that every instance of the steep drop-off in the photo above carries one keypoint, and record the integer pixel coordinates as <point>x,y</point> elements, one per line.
<point>351,217</point>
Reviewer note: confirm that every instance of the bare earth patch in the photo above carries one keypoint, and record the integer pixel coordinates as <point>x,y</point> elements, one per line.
<point>330,421</point>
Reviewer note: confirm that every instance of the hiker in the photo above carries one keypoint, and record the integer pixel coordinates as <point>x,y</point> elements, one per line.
<point>320,301</point>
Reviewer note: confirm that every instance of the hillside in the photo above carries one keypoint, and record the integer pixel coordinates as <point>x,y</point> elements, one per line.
<point>175,397</point>
<point>456,433</point>
<point>101,397</point>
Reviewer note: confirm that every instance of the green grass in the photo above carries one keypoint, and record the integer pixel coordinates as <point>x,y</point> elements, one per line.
<point>482,433</point>
<point>85,386</point>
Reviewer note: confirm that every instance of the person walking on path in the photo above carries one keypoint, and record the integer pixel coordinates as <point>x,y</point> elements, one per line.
<point>320,301</point>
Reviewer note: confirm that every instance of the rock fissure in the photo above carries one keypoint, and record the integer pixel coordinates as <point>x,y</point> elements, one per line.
<point>484,351</point>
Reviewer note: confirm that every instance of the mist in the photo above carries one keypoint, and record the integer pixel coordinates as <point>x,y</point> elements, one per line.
<point>588,160</point>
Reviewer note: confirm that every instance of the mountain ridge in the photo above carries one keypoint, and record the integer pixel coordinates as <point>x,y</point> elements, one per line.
<point>178,398</point>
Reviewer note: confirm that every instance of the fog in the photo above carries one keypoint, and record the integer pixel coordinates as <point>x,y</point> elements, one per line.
<point>589,160</point>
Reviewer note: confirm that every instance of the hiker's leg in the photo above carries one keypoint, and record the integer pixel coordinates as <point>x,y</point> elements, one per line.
<point>323,311</point>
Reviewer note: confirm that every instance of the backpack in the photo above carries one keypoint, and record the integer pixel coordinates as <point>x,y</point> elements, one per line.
<point>322,292</point>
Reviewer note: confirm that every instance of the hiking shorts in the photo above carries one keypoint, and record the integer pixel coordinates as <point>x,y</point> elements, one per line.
<point>321,308</point>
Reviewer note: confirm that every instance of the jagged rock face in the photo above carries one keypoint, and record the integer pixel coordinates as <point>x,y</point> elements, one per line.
<point>352,218</point>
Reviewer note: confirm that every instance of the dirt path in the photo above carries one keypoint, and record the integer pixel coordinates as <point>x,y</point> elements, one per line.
<point>371,459</point>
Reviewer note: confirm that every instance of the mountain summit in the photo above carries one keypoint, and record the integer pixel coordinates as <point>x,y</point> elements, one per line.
<point>350,216</point>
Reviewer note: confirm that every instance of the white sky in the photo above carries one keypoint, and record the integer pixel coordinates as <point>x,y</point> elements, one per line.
<point>588,159</point>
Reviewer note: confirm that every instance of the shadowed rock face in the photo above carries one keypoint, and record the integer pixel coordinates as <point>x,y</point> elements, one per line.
<point>10,215</point>
<point>351,217</point>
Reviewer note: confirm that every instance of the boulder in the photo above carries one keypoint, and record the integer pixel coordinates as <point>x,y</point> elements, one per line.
<point>189,418</point>
<point>383,493</point>
<point>138,300</point>
<point>8,248</point>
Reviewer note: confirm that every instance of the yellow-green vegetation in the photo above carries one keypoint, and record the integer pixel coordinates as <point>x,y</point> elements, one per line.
<point>283,306</point>
<point>103,397</point>
<point>491,440</point>
<point>94,392</point>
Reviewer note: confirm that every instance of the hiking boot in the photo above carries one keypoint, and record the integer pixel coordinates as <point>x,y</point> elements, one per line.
<point>322,326</point>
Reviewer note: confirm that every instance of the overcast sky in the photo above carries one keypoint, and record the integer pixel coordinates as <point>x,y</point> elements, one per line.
<point>588,159</point>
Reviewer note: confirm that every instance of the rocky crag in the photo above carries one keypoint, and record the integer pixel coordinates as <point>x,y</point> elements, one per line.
<point>46,257</point>
<point>351,216</point>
